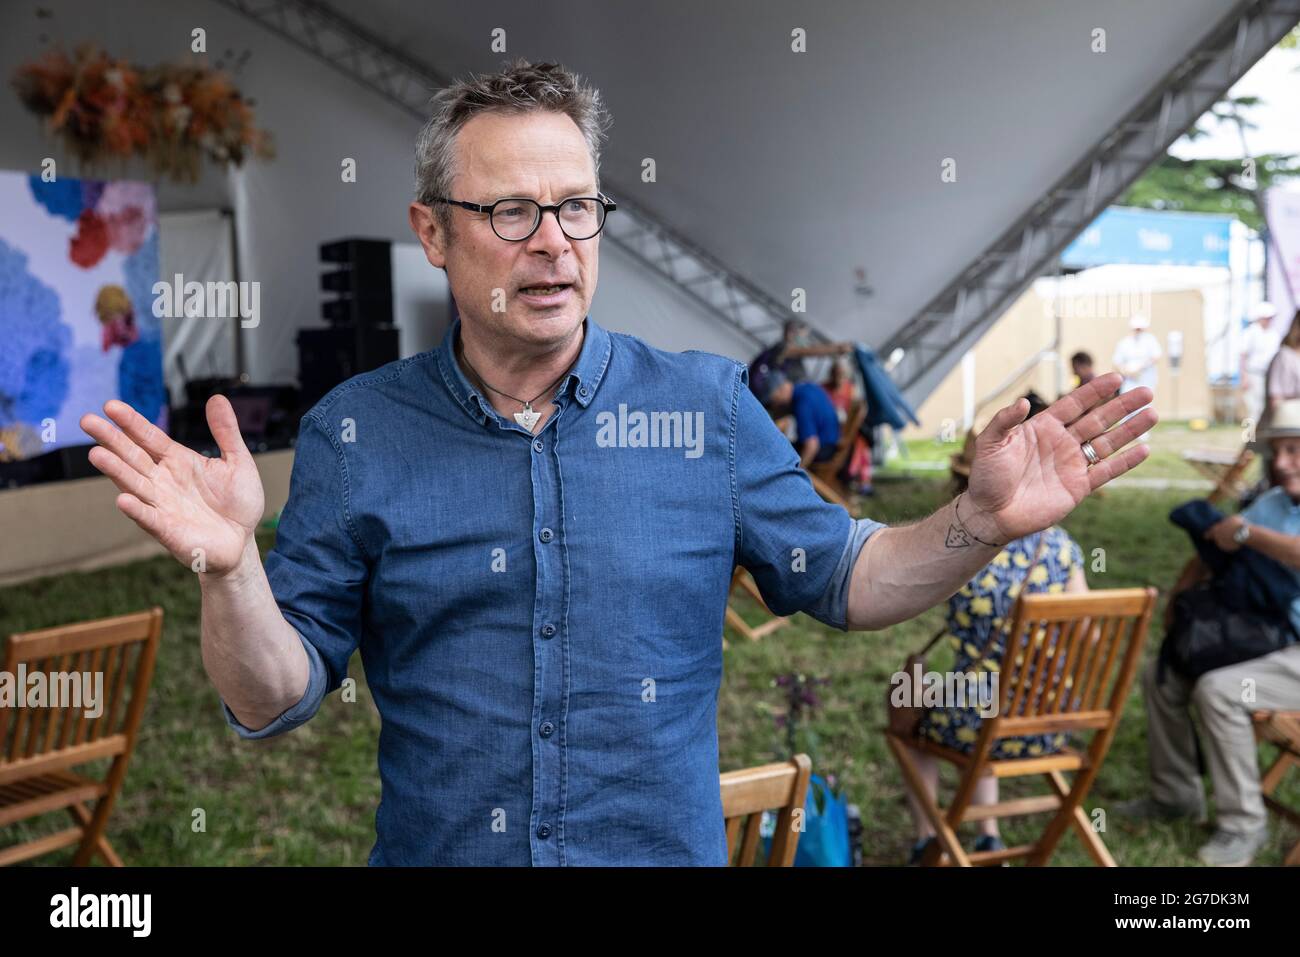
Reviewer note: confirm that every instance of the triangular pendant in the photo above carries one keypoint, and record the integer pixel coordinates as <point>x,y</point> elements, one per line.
<point>527,418</point>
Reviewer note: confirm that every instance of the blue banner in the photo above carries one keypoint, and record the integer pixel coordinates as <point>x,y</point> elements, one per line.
<point>1150,237</point>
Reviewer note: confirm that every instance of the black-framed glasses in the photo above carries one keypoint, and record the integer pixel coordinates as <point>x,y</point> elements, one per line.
<point>516,218</point>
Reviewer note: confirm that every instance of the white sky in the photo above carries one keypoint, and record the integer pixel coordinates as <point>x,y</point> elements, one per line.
<point>1275,79</point>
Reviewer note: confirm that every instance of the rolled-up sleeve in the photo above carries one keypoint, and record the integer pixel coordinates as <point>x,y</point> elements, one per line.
<point>800,548</point>
<point>317,572</point>
<point>298,713</point>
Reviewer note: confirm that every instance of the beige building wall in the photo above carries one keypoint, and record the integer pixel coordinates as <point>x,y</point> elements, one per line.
<point>1092,323</point>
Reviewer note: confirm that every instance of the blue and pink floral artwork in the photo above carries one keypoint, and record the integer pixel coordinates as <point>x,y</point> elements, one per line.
<point>78,260</point>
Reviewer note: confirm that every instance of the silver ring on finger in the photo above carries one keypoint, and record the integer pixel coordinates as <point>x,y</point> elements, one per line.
<point>1090,454</point>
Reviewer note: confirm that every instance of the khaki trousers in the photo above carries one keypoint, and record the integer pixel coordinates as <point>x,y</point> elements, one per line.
<point>1224,699</point>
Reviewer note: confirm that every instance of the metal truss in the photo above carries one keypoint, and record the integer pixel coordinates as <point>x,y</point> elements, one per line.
<point>993,281</point>
<point>407,83</point>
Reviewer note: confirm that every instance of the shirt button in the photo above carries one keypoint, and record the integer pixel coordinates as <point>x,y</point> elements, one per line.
<point>548,631</point>
<point>539,445</point>
<point>546,535</point>
<point>543,830</point>
<point>547,729</point>
<point>583,392</point>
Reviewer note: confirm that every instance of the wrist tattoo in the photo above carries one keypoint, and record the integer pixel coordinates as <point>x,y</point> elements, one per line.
<point>959,536</point>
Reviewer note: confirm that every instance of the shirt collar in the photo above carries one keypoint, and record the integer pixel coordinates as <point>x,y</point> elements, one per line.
<point>1278,495</point>
<point>585,376</point>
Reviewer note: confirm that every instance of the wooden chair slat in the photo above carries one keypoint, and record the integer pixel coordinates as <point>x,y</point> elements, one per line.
<point>46,720</point>
<point>733,835</point>
<point>1036,696</point>
<point>124,629</point>
<point>1105,675</point>
<point>18,747</point>
<point>1083,661</point>
<point>95,666</point>
<point>1019,807</point>
<point>119,687</point>
<point>111,664</point>
<point>749,845</point>
<point>1020,649</point>
<point>1062,686</point>
<point>1105,636</point>
<point>65,732</point>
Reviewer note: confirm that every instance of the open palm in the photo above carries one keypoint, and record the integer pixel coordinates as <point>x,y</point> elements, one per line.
<point>202,510</point>
<point>1029,474</point>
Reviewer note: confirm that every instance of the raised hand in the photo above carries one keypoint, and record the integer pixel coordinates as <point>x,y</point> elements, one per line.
<point>1029,474</point>
<point>202,510</point>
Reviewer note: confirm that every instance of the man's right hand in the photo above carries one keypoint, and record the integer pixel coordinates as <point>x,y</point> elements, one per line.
<point>196,507</point>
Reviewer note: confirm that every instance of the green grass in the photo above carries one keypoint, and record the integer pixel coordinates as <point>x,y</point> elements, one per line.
<point>1167,440</point>
<point>309,797</point>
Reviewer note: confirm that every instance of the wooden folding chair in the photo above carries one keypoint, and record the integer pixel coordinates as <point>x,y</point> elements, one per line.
<point>40,746</point>
<point>1225,468</point>
<point>829,470</point>
<point>741,579</point>
<point>751,791</point>
<point>1280,728</point>
<point>1082,651</point>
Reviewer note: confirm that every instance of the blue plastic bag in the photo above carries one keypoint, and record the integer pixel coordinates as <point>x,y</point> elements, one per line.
<point>825,838</point>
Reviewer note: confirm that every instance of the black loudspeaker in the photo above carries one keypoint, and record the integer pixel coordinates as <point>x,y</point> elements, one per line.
<point>327,357</point>
<point>75,461</point>
<point>358,306</point>
<point>361,279</point>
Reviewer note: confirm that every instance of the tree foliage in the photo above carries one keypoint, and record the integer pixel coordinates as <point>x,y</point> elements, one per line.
<point>1226,186</point>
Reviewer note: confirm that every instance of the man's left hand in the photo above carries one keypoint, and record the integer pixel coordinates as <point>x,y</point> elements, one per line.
<point>1029,474</point>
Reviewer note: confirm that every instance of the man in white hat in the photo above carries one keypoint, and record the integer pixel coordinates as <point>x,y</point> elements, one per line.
<point>1136,356</point>
<point>1271,526</point>
<point>1257,350</point>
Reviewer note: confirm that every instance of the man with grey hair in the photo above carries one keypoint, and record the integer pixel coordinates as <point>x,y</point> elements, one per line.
<point>536,580</point>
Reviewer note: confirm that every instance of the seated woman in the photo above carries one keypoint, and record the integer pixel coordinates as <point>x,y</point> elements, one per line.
<point>976,614</point>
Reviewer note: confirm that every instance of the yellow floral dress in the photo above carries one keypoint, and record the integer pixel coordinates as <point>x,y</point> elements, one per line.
<point>976,612</point>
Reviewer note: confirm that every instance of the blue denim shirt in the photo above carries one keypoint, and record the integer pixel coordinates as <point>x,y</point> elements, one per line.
<point>540,616</point>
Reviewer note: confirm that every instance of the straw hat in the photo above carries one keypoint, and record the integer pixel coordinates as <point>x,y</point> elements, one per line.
<point>1285,422</point>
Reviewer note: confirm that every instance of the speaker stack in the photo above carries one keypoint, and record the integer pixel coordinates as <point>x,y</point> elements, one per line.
<point>361,336</point>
